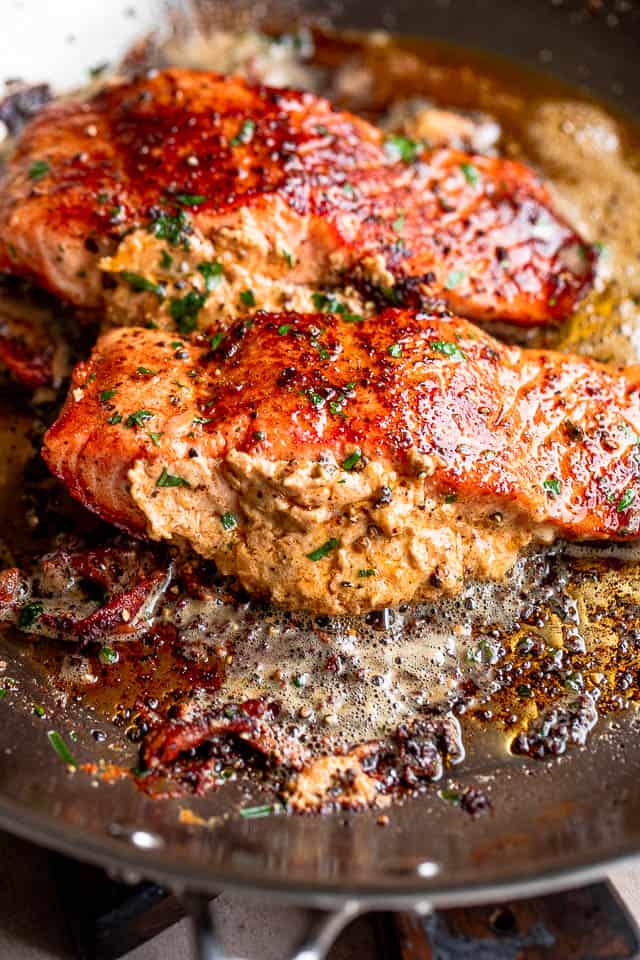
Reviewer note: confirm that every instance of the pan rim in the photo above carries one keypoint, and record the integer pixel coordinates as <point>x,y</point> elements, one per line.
<point>133,866</point>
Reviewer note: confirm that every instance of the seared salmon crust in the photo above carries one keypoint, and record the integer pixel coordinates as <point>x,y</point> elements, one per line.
<point>344,466</point>
<point>180,156</point>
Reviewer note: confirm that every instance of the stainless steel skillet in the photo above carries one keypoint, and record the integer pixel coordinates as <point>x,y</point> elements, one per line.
<point>551,822</point>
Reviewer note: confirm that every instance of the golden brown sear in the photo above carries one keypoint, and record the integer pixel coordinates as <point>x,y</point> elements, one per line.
<point>344,466</point>
<point>122,198</point>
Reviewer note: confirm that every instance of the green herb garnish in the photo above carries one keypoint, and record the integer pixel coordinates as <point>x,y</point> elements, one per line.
<point>398,223</point>
<point>369,572</point>
<point>185,311</point>
<point>401,148</point>
<point>324,550</point>
<point>190,199</point>
<point>229,520</point>
<point>171,480</point>
<point>138,418</point>
<point>284,328</point>
<point>353,458</point>
<point>173,229</point>
<point>450,796</point>
<point>626,499</point>
<point>146,372</point>
<point>61,748</point>
<point>38,169</point>
<point>247,297</point>
<point>287,256</point>
<point>108,655</point>
<point>212,273</point>
<point>552,486</point>
<point>166,260</point>
<point>140,284</point>
<point>245,133</point>
<point>448,349</point>
<point>262,811</point>
<point>395,350</point>
<point>328,303</point>
<point>105,395</point>
<point>470,173</point>
<point>114,418</point>
<point>155,438</point>
<point>29,614</point>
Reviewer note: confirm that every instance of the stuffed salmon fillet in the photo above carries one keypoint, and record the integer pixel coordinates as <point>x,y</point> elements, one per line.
<point>342,467</point>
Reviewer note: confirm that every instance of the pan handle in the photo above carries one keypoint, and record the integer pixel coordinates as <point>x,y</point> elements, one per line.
<point>324,927</point>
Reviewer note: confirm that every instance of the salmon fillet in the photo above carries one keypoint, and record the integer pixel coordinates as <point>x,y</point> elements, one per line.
<point>343,467</point>
<point>186,197</point>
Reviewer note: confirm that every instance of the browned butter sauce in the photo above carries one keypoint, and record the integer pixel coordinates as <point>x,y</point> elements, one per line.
<point>537,658</point>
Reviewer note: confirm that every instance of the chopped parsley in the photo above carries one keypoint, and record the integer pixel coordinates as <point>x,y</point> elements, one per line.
<point>39,710</point>
<point>155,438</point>
<point>140,284</point>
<point>470,173</point>
<point>138,418</point>
<point>245,133</point>
<point>448,349</point>
<point>552,486</point>
<point>328,303</point>
<point>524,691</point>
<point>353,458</point>
<point>626,499</point>
<point>190,199</point>
<point>29,614</point>
<point>202,420</point>
<point>398,223</point>
<point>38,170</point>
<point>146,372</point>
<point>171,480</point>
<point>105,395</point>
<point>229,520</point>
<point>316,398</point>
<point>395,350</point>
<point>348,189</point>
<point>173,229</point>
<point>166,260</point>
<point>284,328</point>
<point>185,311</point>
<point>108,655</point>
<point>61,748</point>
<point>212,273</point>
<point>451,498</point>
<point>247,297</point>
<point>454,279</point>
<point>402,148</point>
<point>369,572</point>
<point>287,256</point>
<point>114,418</point>
<point>216,339</point>
<point>324,550</point>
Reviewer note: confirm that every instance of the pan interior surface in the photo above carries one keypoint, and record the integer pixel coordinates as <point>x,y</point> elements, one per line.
<point>548,818</point>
